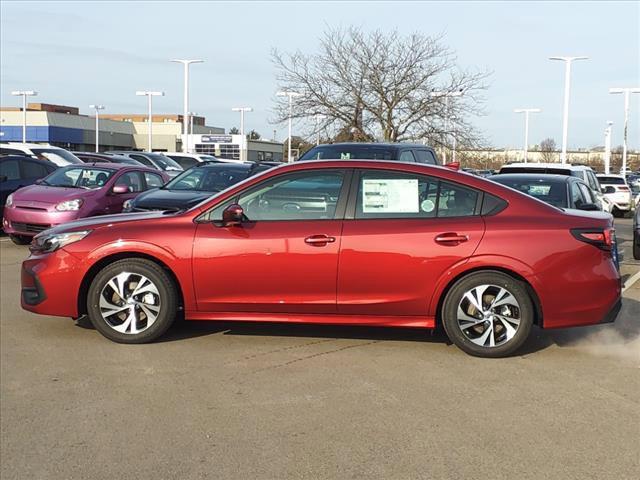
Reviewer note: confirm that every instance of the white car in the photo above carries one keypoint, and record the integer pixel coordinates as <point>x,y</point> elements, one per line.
<point>188,160</point>
<point>583,172</point>
<point>57,155</point>
<point>617,191</point>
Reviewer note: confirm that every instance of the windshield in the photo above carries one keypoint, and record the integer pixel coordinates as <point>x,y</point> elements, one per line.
<point>349,152</point>
<point>611,180</point>
<point>207,179</point>
<point>77,177</point>
<point>55,155</point>
<point>553,193</point>
<point>163,162</point>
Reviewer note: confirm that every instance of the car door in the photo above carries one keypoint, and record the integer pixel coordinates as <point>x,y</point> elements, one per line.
<point>284,258</point>
<point>10,179</point>
<point>134,183</point>
<point>401,233</point>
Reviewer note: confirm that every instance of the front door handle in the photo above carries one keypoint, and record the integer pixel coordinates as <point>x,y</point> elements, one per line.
<point>319,240</point>
<point>451,238</point>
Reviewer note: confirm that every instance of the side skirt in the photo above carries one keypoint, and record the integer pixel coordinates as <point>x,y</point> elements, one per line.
<point>372,321</point>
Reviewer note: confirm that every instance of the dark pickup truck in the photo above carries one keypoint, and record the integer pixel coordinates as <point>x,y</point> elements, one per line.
<point>402,152</point>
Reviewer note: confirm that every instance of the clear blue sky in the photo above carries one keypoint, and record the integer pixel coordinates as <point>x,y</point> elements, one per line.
<point>78,53</point>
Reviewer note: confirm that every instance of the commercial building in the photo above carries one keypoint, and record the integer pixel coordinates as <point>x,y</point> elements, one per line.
<point>236,147</point>
<point>65,127</point>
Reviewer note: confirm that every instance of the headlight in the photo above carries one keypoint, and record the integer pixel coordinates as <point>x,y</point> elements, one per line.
<point>45,243</point>
<point>9,201</point>
<point>68,205</point>
<point>127,206</point>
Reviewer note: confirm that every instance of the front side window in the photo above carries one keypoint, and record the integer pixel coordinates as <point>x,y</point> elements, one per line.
<point>303,196</point>
<point>403,195</point>
<point>425,156</point>
<point>153,180</point>
<point>33,170</point>
<point>131,180</point>
<point>74,177</point>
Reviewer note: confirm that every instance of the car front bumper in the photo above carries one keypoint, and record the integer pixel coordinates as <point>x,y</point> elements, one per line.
<point>23,221</point>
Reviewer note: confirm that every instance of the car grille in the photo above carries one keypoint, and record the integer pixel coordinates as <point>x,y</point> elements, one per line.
<point>29,227</point>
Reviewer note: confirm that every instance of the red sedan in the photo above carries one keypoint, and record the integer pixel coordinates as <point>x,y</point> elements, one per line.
<point>337,242</point>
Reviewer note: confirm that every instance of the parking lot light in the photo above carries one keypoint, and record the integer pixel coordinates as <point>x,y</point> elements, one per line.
<point>446,95</point>
<point>24,94</point>
<point>526,112</point>
<point>607,147</point>
<point>185,124</point>
<point>242,111</point>
<point>567,90</point>
<point>97,108</point>
<point>149,95</point>
<point>290,94</point>
<point>626,92</point>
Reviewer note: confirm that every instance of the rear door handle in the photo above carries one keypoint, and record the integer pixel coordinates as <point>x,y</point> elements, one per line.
<point>319,240</point>
<point>451,238</point>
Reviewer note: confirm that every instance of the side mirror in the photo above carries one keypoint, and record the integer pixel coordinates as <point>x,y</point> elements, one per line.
<point>453,166</point>
<point>590,207</point>
<point>38,181</point>
<point>120,189</point>
<point>232,215</point>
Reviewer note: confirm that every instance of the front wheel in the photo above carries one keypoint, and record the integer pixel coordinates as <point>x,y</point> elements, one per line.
<point>20,239</point>
<point>132,301</point>
<point>488,314</point>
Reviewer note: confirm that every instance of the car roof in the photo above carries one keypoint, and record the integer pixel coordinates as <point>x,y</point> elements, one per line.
<point>226,165</point>
<point>564,166</point>
<point>601,175</point>
<point>374,144</point>
<point>31,145</point>
<point>542,177</point>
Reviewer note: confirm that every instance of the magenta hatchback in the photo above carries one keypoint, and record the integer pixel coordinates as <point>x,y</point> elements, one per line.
<point>75,192</point>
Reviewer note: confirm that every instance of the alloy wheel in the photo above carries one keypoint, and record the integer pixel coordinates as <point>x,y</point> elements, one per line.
<point>488,315</point>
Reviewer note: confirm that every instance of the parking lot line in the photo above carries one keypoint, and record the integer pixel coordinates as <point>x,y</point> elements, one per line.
<point>633,279</point>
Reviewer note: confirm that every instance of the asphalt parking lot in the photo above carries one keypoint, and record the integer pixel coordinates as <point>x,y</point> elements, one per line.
<point>238,401</point>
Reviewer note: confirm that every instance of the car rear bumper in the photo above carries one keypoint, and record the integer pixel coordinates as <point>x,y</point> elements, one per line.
<point>22,221</point>
<point>50,284</point>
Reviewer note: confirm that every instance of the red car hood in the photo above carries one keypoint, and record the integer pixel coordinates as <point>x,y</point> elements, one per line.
<point>91,223</point>
<point>50,195</point>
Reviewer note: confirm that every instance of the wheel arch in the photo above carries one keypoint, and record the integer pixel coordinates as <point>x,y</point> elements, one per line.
<point>103,262</point>
<point>535,299</point>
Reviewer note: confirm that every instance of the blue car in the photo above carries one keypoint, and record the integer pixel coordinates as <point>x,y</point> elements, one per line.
<point>18,171</point>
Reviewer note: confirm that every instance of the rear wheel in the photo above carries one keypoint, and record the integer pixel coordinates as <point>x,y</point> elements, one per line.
<point>132,301</point>
<point>20,239</point>
<point>488,314</point>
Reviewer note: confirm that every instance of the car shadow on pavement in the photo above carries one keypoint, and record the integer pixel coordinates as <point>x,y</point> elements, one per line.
<point>621,338</point>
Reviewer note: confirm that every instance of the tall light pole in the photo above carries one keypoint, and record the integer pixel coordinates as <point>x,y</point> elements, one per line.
<point>626,92</point>
<point>149,95</point>
<point>185,123</point>
<point>607,147</point>
<point>446,95</point>
<point>242,111</point>
<point>319,117</point>
<point>526,112</point>
<point>97,108</point>
<point>24,94</point>
<point>567,90</point>
<point>289,94</point>
<point>188,139</point>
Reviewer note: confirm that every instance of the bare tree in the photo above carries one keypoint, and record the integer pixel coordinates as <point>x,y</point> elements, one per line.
<point>548,150</point>
<point>381,85</point>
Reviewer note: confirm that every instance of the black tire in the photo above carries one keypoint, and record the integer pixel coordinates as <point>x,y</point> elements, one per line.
<point>454,298</point>
<point>636,245</point>
<point>20,239</point>
<point>167,293</point>
<point>617,213</point>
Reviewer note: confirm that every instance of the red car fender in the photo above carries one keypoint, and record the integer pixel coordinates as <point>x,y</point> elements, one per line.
<point>480,262</point>
<point>180,267</point>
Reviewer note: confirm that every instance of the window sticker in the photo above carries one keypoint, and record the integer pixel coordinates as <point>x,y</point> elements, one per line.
<point>427,206</point>
<point>390,196</point>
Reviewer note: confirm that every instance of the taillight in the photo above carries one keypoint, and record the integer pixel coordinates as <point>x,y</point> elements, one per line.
<point>601,238</point>
<point>623,189</point>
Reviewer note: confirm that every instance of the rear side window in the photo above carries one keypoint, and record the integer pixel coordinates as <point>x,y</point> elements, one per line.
<point>143,160</point>
<point>33,170</point>
<point>402,195</point>
<point>407,156</point>
<point>587,193</point>
<point>425,156</point>
<point>10,169</point>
